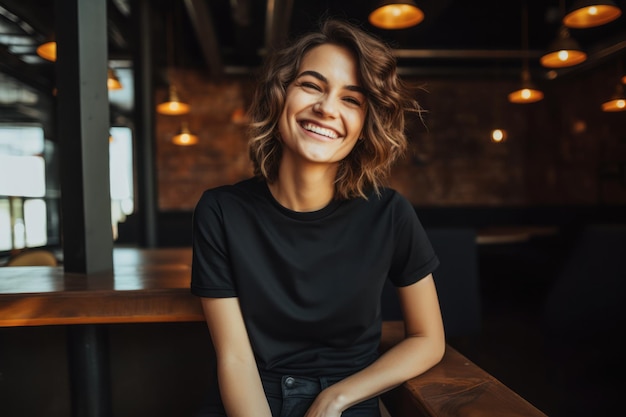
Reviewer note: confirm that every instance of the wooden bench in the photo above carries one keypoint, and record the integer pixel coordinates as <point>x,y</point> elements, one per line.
<point>153,286</point>
<point>454,387</point>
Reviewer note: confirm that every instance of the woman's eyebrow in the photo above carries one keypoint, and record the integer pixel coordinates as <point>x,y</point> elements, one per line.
<point>314,74</point>
<point>323,79</point>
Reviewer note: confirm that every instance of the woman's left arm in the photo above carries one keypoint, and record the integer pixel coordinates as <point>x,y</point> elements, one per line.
<point>422,348</point>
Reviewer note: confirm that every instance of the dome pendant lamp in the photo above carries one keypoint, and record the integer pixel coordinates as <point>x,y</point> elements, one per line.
<point>185,137</point>
<point>48,50</point>
<point>113,82</point>
<point>527,93</point>
<point>563,52</point>
<point>173,106</point>
<point>591,13</point>
<point>396,14</point>
<point>617,102</point>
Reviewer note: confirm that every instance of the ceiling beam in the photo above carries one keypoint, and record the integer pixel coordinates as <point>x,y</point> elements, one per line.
<point>241,12</point>
<point>277,22</point>
<point>118,25</point>
<point>466,53</point>
<point>202,22</point>
<point>244,34</point>
<point>40,19</point>
<point>16,68</point>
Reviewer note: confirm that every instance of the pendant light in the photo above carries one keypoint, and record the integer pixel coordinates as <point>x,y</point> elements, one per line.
<point>591,13</point>
<point>527,93</point>
<point>563,52</point>
<point>48,50</point>
<point>185,137</point>
<point>113,82</point>
<point>172,106</point>
<point>396,14</point>
<point>617,102</point>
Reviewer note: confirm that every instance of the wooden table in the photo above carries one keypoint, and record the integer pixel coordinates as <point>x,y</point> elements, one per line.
<point>145,286</point>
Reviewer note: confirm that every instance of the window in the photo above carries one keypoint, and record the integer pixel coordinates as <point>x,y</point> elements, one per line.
<point>28,208</point>
<point>23,220</point>
<point>121,174</point>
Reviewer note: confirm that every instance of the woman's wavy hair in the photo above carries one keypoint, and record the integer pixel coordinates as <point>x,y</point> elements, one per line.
<point>388,99</point>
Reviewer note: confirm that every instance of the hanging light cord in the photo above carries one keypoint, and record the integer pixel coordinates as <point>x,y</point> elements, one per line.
<point>525,35</point>
<point>169,42</point>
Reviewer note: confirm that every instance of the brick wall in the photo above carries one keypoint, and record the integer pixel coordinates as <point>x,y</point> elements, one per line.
<point>560,151</point>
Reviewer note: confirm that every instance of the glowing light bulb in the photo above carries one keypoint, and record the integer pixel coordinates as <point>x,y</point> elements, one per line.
<point>526,93</point>
<point>593,10</point>
<point>498,135</point>
<point>621,104</point>
<point>563,55</point>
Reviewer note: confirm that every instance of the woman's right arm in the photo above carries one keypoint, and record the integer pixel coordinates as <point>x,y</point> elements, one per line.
<point>238,376</point>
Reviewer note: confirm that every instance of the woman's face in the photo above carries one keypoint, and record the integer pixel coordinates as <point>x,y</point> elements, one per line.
<point>325,107</point>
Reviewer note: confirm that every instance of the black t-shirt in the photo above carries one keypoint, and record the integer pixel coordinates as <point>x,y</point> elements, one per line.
<point>308,283</point>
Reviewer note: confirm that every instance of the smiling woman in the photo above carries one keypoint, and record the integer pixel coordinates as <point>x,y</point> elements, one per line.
<point>291,264</point>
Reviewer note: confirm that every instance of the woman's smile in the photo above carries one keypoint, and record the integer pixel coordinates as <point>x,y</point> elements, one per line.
<point>319,130</point>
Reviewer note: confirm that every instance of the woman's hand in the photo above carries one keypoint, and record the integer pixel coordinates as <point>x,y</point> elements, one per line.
<point>327,404</point>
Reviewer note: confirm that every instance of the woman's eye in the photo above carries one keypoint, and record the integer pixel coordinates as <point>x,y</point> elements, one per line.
<point>353,100</point>
<point>309,85</point>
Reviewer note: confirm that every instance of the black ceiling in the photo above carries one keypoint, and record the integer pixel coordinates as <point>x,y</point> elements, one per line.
<point>457,37</point>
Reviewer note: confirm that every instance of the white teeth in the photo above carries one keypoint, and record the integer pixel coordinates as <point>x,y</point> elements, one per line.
<point>320,130</point>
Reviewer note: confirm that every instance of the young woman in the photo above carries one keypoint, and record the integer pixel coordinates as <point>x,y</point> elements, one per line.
<point>290,264</point>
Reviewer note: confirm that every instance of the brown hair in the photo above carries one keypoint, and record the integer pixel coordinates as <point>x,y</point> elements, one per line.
<point>369,163</point>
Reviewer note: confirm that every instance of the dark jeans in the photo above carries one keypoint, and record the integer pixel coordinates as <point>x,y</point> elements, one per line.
<point>291,396</point>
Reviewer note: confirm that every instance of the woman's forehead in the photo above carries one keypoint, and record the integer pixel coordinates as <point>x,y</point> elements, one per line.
<point>331,60</point>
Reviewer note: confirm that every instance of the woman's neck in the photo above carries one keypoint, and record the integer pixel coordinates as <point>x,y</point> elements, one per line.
<point>304,189</point>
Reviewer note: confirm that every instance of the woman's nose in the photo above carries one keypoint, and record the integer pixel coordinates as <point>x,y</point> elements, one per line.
<point>326,106</point>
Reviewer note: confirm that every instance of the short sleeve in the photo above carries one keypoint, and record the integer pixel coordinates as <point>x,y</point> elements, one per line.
<point>413,257</point>
<point>211,274</point>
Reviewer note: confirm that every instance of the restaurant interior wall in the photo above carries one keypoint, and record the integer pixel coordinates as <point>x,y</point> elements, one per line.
<point>562,153</point>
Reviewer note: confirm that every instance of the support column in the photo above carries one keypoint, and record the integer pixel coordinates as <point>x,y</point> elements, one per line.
<point>83,132</point>
<point>144,125</point>
<point>90,377</point>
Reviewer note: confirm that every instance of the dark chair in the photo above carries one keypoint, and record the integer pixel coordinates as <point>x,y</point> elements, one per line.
<point>584,322</point>
<point>456,280</point>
